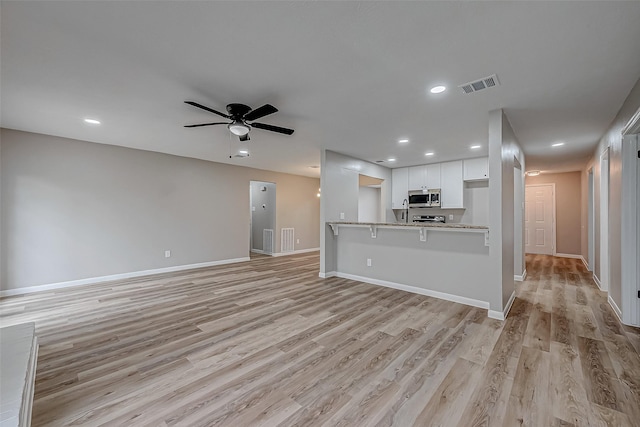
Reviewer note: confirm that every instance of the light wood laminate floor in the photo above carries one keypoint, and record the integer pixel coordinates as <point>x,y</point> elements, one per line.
<point>268,343</point>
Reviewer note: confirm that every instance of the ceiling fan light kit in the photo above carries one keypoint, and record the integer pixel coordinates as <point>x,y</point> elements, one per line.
<point>238,128</point>
<point>240,114</point>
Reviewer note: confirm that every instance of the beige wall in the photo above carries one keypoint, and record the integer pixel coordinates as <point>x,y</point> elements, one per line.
<point>612,139</point>
<point>75,210</point>
<point>568,214</point>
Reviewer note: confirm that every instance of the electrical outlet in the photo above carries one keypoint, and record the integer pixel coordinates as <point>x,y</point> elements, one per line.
<point>450,217</point>
<point>368,262</point>
<point>167,254</point>
<point>341,215</point>
<point>297,241</point>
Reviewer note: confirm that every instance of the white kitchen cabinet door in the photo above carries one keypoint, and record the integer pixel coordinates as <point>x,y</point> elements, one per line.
<point>432,176</point>
<point>452,185</point>
<point>399,187</point>
<point>476,169</point>
<point>417,178</point>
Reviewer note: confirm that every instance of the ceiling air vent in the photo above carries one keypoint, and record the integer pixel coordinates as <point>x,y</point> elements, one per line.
<point>481,84</point>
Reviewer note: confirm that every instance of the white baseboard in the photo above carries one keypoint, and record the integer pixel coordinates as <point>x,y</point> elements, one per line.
<point>299,251</point>
<point>327,274</point>
<point>93,280</point>
<point>416,290</point>
<point>595,279</point>
<point>520,278</point>
<point>502,315</point>
<point>616,309</point>
<point>559,255</point>
<point>586,264</point>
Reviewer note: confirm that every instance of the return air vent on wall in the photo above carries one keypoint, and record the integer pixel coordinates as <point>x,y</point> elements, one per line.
<point>481,84</point>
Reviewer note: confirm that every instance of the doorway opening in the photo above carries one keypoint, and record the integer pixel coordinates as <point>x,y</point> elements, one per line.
<point>262,199</point>
<point>540,219</point>
<point>603,276</point>
<point>370,207</point>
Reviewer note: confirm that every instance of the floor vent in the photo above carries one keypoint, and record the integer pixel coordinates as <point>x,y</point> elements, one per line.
<point>287,240</point>
<point>481,84</point>
<point>267,241</point>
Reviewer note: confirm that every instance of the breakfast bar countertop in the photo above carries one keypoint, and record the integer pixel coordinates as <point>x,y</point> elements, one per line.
<point>411,224</point>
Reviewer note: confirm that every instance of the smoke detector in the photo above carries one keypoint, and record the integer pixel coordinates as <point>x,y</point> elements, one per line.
<point>483,83</point>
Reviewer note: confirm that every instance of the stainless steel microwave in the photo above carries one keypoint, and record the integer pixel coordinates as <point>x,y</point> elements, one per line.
<point>425,199</point>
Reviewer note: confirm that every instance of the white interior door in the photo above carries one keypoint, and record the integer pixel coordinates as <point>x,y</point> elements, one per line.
<point>604,221</point>
<point>539,218</point>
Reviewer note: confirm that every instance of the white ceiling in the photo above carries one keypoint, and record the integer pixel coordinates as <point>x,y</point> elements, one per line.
<point>348,76</point>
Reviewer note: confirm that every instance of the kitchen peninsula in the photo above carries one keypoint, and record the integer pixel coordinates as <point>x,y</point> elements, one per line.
<point>433,259</point>
<point>469,264</point>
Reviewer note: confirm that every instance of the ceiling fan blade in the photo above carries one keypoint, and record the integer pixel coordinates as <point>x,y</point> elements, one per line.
<point>272,128</point>
<point>211,110</point>
<point>265,110</point>
<point>206,124</point>
<point>244,137</point>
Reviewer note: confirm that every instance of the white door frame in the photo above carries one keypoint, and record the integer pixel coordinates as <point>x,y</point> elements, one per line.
<point>553,211</point>
<point>631,222</point>
<point>603,278</point>
<point>591,221</point>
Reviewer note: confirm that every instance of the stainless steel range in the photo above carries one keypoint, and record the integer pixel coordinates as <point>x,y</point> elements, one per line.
<point>429,218</point>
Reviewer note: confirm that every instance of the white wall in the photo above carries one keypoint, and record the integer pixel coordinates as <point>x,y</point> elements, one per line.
<point>369,204</point>
<point>503,149</point>
<point>340,186</point>
<point>73,210</point>
<point>476,201</point>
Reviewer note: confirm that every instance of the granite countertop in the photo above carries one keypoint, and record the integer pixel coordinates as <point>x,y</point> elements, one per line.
<point>413,224</point>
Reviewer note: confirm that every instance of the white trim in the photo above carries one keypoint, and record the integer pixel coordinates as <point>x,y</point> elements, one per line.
<point>573,256</point>
<point>94,280</point>
<point>258,251</point>
<point>630,239</point>
<point>633,125</point>
<point>299,251</point>
<point>327,274</point>
<point>502,315</point>
<point>616,309</point>
<point>520,278</point>
<point>595,279</point>
<point>416,290</point>
<point>586,264</point>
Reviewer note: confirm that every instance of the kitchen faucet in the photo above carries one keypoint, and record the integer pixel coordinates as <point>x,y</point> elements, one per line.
<point>405,210</point>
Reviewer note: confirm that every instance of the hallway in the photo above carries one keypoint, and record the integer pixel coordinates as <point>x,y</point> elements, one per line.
<point>574,343</point>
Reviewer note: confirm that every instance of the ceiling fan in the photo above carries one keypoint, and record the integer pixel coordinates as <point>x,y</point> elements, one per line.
<point>240,115</point>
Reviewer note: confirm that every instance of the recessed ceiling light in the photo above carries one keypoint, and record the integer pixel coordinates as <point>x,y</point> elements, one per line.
<point>243,152</point>
<point>403,141</point>
<point>92,121</point>
<point>533,173</point>
<point>391,159</point>
<point>557,144</point>
<point>438,89</point>
<point>430,153</point>
<point>475,147</point>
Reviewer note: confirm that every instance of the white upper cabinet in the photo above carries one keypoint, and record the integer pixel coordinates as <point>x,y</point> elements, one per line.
<point>476,169</point>
<point>417,178</point>
<point>399,187</point>
<point>432,173</point>
<point>452,185</point>
<point>424,177</point>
